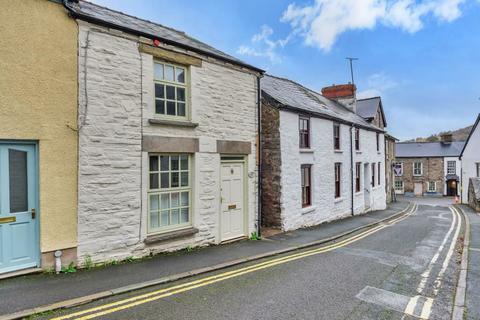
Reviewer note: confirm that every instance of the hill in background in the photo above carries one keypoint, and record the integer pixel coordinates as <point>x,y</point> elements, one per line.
<point>458,135</point>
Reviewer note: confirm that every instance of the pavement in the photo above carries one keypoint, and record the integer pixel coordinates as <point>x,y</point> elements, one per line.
<point>34,291</point>
<point>472,299</point>
<point>404,268</point>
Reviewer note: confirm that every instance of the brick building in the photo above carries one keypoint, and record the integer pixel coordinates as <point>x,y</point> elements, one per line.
<point>428,168</point>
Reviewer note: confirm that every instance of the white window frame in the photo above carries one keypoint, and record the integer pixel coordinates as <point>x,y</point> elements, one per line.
<point>397,188</point>
<point>176,84</point>
<point>401,166</point>
<point>454,168</point>
<point>170,190</point>
<point>421,169</point>
<point>477,167</point>
<point>434,186</point>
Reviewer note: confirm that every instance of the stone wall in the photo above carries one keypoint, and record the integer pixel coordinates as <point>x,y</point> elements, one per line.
<point>271,164</point>
<point>389,160</point>
<point>474,194</point>
<point>323,157</point>
<point>433,170</point>
<point>116,109</point>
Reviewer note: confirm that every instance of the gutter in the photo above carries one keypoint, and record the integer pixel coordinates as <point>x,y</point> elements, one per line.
<point>78,15</point>
<point>259,148</point>
<point>351,170</point>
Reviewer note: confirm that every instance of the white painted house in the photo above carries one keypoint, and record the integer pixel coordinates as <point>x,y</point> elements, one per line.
<point>167,139</point>
<point>321,161</point>
<point>470,158</point>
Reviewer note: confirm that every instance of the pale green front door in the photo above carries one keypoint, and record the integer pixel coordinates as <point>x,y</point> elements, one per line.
<point>19,247</point>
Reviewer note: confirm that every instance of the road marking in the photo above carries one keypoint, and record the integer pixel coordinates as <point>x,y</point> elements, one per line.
<point>162,293</point>
<point>448,257</point>
<point>426,274</point>
<point>411,305</point>
<point>427,309</point>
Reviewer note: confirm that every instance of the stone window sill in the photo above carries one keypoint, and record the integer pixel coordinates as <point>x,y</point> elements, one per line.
<point>358,152</point>
<point>154,238</point>
<point>358,193</point>
<point>337,200</point>
<point>179,123</point>
<point>308,209</point>
<point>338,151</point>
<point>305,150</point>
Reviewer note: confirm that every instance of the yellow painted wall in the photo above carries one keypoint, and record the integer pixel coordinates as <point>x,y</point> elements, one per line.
<point>38,101</point>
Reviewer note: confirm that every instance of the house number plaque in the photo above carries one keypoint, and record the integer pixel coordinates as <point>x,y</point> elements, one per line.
<point>232,206</point>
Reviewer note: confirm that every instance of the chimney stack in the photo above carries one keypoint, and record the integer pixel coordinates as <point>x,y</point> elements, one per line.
<point>342,93</point>
<point>446,138</point>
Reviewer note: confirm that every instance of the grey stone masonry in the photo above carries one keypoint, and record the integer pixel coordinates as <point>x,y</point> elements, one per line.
<point>271,165</point>
<point>474,194</point>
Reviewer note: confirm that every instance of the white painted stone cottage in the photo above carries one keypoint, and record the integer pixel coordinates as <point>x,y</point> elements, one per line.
<point>167,139</point>
<point>470,158</point>
<point>321,160</point>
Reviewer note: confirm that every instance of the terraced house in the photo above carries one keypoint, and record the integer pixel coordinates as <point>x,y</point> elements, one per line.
<point>429,168</point>
<point>322,161</point>
<point>168,130</point>
<point>38,135</point>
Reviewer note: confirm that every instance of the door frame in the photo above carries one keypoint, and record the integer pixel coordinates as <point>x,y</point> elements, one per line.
<point>244,161</point>
<point>36,148</point>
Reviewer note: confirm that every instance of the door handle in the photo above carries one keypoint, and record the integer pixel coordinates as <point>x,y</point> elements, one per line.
<point>34,213</point>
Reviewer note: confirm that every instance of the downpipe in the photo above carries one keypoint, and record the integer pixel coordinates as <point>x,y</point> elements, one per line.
<point>351,172</point>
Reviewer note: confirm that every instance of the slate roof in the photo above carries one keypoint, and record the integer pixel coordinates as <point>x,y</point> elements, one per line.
<point>428,149</point>
<point>367,108</point>
<point>295,97</point>
<point>101,15</point>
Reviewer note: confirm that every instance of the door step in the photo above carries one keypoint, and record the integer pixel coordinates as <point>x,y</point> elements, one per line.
<point>20,273</point>
<point>234,239</point>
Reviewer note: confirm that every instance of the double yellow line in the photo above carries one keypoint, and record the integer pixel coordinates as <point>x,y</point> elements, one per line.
<point>162,293</point>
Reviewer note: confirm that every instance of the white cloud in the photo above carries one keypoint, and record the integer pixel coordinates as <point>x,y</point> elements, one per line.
<point>377,85</point>
<point>322,22</point>
<point>262,45</point>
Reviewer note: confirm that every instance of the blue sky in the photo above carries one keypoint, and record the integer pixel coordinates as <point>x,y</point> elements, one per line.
<point>422,57</point>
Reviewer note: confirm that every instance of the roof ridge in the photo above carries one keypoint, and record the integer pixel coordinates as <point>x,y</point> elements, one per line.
<point>310,91</point>
<point>425,142</point>
<point>135,17</point>
<point>376,97</point>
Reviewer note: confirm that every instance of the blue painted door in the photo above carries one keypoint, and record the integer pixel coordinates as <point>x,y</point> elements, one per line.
<point>18,207</point>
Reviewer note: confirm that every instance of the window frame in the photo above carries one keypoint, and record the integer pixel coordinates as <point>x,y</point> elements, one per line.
<point>175,84</point>
<point>305,134</point>
<point>338,180</point>
<point>306,189</point>
<point>478,169</point>
<point>170,190</point>
<point>434,184</point>
<point>421,169</point>
<point>336,136</point>
<point>379,175</point>
<point>454,167</point>
<point>402,189</point>
<point>357,139</point>
<point>378,142</point>
<point>373,166</point>
<point>358,168</point>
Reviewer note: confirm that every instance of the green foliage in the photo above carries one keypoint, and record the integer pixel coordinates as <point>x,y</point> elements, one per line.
<point>189,248</point>
<point>254,236</point>
<point>70,269</point>
<point>88,263</point>
<point>129,259</point>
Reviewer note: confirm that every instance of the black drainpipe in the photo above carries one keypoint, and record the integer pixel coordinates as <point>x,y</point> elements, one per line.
<point>351,169</point>
<point>259,152</point>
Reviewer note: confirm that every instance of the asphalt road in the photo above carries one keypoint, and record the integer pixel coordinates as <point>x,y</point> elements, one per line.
<point>403,270</point>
